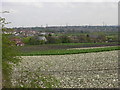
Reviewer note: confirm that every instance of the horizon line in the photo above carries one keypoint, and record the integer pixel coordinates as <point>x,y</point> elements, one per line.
<point>58,26</point>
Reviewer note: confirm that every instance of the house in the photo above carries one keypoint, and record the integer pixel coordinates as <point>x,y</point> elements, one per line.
<point>43,33</point>
<point>18,42</point>
<point>42,38</point>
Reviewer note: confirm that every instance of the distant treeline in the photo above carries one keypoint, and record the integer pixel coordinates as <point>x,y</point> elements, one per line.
<point>93,38</point>
<point>71,29</point>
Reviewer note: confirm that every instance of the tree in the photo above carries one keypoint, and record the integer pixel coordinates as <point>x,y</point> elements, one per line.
<point>88,38</point>
<point>9,54</point>
<point>26,39</point>
<point>98,37</point>
<point>35,41</point>
<point>53,40</point>
<point>65,39</point>
<point>82,38</point>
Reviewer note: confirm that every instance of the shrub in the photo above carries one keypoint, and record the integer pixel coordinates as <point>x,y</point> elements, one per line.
<point>65,39</point>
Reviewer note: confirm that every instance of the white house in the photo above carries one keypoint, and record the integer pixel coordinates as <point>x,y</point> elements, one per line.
<point>42,38</point>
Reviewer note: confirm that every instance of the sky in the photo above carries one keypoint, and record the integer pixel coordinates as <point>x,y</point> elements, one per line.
<point>36,13</point>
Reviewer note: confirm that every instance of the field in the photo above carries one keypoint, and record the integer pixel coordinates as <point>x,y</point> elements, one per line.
<point>88,70</point>
<point>35,48</point>
<point>69,51</point>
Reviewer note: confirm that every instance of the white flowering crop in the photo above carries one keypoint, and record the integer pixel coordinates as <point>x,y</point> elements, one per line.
<point>88,70</point>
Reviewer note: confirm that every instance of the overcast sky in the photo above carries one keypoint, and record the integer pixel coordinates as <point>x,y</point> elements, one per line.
<point>77,12</point>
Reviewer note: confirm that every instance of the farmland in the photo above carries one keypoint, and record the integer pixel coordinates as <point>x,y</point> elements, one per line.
<point>59,45</point>
<point>88,70</point>
<point>67,65</point>
<point>34,48</point>
<point>69,51</point>
<point>74,57</point>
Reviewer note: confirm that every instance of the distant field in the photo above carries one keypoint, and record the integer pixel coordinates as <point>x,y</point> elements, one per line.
<point>35,48</point>
<point>69,51</point>
<point>86,43</point>
<point>82,43</point>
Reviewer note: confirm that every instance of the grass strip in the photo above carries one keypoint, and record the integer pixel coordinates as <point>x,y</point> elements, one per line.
<point>76,44</point>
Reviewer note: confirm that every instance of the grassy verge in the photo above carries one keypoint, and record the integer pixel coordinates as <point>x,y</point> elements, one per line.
<point>73,51</point>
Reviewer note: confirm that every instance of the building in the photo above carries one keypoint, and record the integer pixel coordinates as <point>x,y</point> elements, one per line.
<point>18,42</point>
<point>42,38</point>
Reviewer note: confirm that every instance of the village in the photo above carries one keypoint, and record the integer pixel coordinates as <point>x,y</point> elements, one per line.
<point>56,35</point>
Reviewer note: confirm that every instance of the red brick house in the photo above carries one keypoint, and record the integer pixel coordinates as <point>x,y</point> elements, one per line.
<point>18,42</point>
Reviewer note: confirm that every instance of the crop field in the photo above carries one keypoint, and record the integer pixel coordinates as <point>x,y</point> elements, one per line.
<point>31,48</point>
<point>86,70</point>
<point>70,51</point>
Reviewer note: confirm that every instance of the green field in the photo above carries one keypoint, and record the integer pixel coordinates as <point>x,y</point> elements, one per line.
<point>84,43</point>
<point>67,51</point>
<point>79,44</point>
